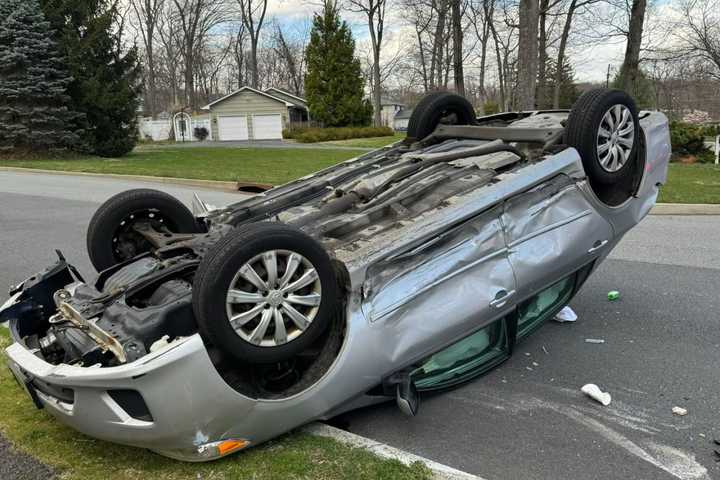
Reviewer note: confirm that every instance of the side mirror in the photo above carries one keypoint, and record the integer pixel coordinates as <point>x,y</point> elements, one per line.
<point>406,396</point>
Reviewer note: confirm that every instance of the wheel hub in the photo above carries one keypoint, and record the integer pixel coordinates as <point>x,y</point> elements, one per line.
<point>615,138</point>
<point>274,298</point>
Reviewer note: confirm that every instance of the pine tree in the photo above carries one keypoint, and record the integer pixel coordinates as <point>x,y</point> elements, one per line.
<point>35,112</point>
<point>334,85</point>
<point>643,89</point>
<point>105,84</point>
<point>568,88</point>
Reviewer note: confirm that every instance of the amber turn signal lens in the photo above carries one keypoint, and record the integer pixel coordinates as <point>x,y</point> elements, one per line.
<point>229,446</point>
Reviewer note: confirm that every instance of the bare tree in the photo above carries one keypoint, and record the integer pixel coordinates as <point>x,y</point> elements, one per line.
<point>292,56</point>
<point>148,13</point>
<point>253,16</point>
<point>528,54</point>
<point>700,37</point>
<point>573,8</point>
<point>482,14</point>
<point>631,63</point>
<point>196,18</point>
<point>170,54</point>
<point>457,35</point>
<point>374,11</point>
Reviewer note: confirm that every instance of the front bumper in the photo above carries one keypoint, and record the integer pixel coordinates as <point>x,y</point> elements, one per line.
<point>192,412</point>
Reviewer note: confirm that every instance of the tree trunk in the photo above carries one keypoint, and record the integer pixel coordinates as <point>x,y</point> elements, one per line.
<point>542,56</point>
<point>377,94</point>
<point>501,66</point>
<point>560,64</point>
<point>631,64</point>
<point>255,77</point>
<point>528,54</point>
<point>436,65</point>
<point>458,72</point>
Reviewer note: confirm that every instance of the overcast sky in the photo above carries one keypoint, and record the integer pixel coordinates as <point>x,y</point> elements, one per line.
<point>589,58</point>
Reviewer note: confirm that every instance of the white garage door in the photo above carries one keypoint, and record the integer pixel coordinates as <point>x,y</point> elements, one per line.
<point>233,128</point>
<point>267,127</point>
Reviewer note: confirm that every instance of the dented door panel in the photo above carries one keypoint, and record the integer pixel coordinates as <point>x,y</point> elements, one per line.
<point>550,230</point>
<point>430,296</point>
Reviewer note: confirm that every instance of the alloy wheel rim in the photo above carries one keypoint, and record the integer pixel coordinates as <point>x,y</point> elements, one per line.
<point>615,138</point>
<point>273,298</point>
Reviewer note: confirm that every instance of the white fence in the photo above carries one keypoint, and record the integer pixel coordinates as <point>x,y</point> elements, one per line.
<point>159,130</point>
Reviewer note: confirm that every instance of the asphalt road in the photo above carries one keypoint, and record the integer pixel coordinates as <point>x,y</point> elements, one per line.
<point>526,419</point>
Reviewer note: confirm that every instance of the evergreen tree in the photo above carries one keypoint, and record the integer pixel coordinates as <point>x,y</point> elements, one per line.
<point>35,111</point>
<point>568,89</point>
<point>334,85</point>
<point>105,84</point>
<point>643,89</point>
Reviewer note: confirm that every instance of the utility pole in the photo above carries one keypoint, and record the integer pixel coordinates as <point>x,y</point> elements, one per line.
<point>607,77</point>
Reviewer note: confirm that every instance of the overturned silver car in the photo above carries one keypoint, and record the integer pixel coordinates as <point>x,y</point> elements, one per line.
<point>415,267</point>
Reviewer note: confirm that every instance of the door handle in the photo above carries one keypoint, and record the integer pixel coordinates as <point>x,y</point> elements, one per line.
<point>597,246</point>
<point>501,298</point>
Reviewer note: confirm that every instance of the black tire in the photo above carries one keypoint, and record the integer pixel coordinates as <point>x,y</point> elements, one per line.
<point>435,106</point>
<point>583,133</point>
<point>113,220</point>
<point>216,276</point>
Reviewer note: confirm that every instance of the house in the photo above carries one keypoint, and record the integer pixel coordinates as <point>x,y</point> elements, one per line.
<point>299,112</point>
<point>251,114</point>
<point>389,108</point>
<point>400,122</point>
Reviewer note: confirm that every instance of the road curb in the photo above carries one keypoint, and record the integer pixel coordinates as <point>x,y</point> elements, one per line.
<point>440,471</point>
<point>253,187</point>
<point>685,209</point>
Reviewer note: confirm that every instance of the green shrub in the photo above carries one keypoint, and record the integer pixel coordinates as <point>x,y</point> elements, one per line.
<point>687,139</point>
<point>707,156</point>
<point>314,135</point>
<point>491,108</point>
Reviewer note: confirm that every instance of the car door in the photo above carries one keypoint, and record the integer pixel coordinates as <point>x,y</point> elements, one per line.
<point>551,231</point>
<point>437,292</point>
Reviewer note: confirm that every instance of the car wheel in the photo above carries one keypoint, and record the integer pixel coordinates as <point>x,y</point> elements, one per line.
<point>436,108</point>
<point>111,238</point>
<point>603,127</point>
<point>265,293</point>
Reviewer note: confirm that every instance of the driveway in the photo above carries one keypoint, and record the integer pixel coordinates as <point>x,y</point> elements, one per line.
<point>526,419</point>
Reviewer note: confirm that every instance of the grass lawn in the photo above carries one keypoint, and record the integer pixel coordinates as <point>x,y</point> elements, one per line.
<point>687,183</point>
<point>273,166</point>
<point>75,456</point>
<point>695,183</point>
<point>374,142</point>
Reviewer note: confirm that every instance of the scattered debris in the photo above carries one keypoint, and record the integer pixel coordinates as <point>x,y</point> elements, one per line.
<point>594,340</point>
<point>529,369</point>
<point>535,364</point>
<point>527,354</point>
<point>680,411</point>
<point>613,295</point>
<point>545,350</point>
<point>567,314</point>
<point>716,441</point>
<point>594,392</point>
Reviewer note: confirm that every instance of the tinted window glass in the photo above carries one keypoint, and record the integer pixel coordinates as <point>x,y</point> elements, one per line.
<point>463,360</point>
<point>532,313</point>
